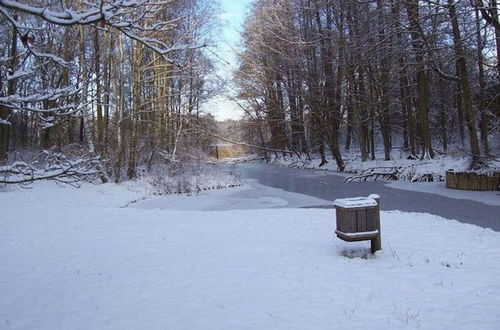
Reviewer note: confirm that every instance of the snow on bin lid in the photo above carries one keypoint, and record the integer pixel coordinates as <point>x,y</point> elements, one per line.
<point>347,203</point>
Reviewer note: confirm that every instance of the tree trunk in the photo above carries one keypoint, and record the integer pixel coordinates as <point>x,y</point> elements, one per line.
<point>97,72</point>
<point>443,116</point>
<point>118,86</point>
<point>136,102</point>
<point>484,121</point>
<point>385,71</point>
<point>460,111</point>
<point>412,8</point>
<point>464,84</point>
<point>330,105</point>
<point>5,112</point>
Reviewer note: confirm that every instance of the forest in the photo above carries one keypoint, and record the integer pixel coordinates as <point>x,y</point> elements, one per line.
<point>104,86</point>
<point>114,87</point>
<point>418,77</point>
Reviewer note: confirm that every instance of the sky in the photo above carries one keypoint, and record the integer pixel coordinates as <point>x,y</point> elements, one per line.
<point>232,16</point>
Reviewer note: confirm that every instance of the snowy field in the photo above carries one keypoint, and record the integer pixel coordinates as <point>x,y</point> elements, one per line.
<point>242,258</point>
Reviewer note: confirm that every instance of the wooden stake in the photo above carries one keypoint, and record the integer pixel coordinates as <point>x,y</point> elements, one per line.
<point>376,243</point>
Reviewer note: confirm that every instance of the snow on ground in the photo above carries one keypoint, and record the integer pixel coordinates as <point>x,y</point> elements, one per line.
<point>251,196</point>
<point>76,259</point>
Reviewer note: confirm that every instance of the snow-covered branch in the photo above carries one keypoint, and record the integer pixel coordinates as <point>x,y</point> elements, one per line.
<point>56,167</point>
<point>135,19</point>
<point>65,100</point>
<point>49,95</point>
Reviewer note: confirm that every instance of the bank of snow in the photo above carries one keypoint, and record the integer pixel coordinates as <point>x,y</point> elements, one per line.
<point>73,259</point>
<point>428,170</point>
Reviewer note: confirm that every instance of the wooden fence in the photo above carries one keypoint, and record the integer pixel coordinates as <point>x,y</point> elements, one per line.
<point>473,180</point>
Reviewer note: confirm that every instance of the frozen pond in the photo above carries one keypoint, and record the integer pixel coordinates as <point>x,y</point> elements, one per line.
<point>328,186</point>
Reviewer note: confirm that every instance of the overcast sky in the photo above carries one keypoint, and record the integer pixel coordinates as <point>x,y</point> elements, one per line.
<point>232,17</point>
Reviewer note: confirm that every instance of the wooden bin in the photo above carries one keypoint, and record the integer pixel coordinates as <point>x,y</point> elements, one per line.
<point>358,219</point>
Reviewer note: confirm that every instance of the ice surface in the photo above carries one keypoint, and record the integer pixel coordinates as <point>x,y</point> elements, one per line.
<point>439,188</point>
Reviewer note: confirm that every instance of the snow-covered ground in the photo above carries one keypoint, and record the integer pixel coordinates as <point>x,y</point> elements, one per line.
<point>251,196</point>
<point>78,259</point>
<point>433,170</point>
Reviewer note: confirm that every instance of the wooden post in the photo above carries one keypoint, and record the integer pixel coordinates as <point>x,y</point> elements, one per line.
<point>217,152</point>
<point>376,243</point>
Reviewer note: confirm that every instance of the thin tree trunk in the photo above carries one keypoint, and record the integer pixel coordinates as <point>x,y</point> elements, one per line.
<point>136,102</point>
<point>484,121</point>
<point>97,72</point>
<point>118,86</point>
<point>443,116</point>
<point>460,111</point>
<point>5,112</point>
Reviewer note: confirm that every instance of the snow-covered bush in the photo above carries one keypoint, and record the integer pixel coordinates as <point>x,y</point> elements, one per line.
<point>190,176</point>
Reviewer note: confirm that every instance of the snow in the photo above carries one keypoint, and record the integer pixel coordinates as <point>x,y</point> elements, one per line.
<point>357,234</point>
<point>355,202</point>
<point>56,167</point>
<point>250,196</point>
<point>19,74</point>
<point>5,122</point>
<point>125,16</point>
<point>47,95</point>
<point>188,176</point>
<point>78,259</point>
<point>428,170</point>
<point>439,188</point>
<point>413,170</point>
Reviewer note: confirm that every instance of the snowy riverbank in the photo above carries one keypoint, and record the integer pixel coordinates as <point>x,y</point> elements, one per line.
<point>430,170</point>
<point>75,258</point>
